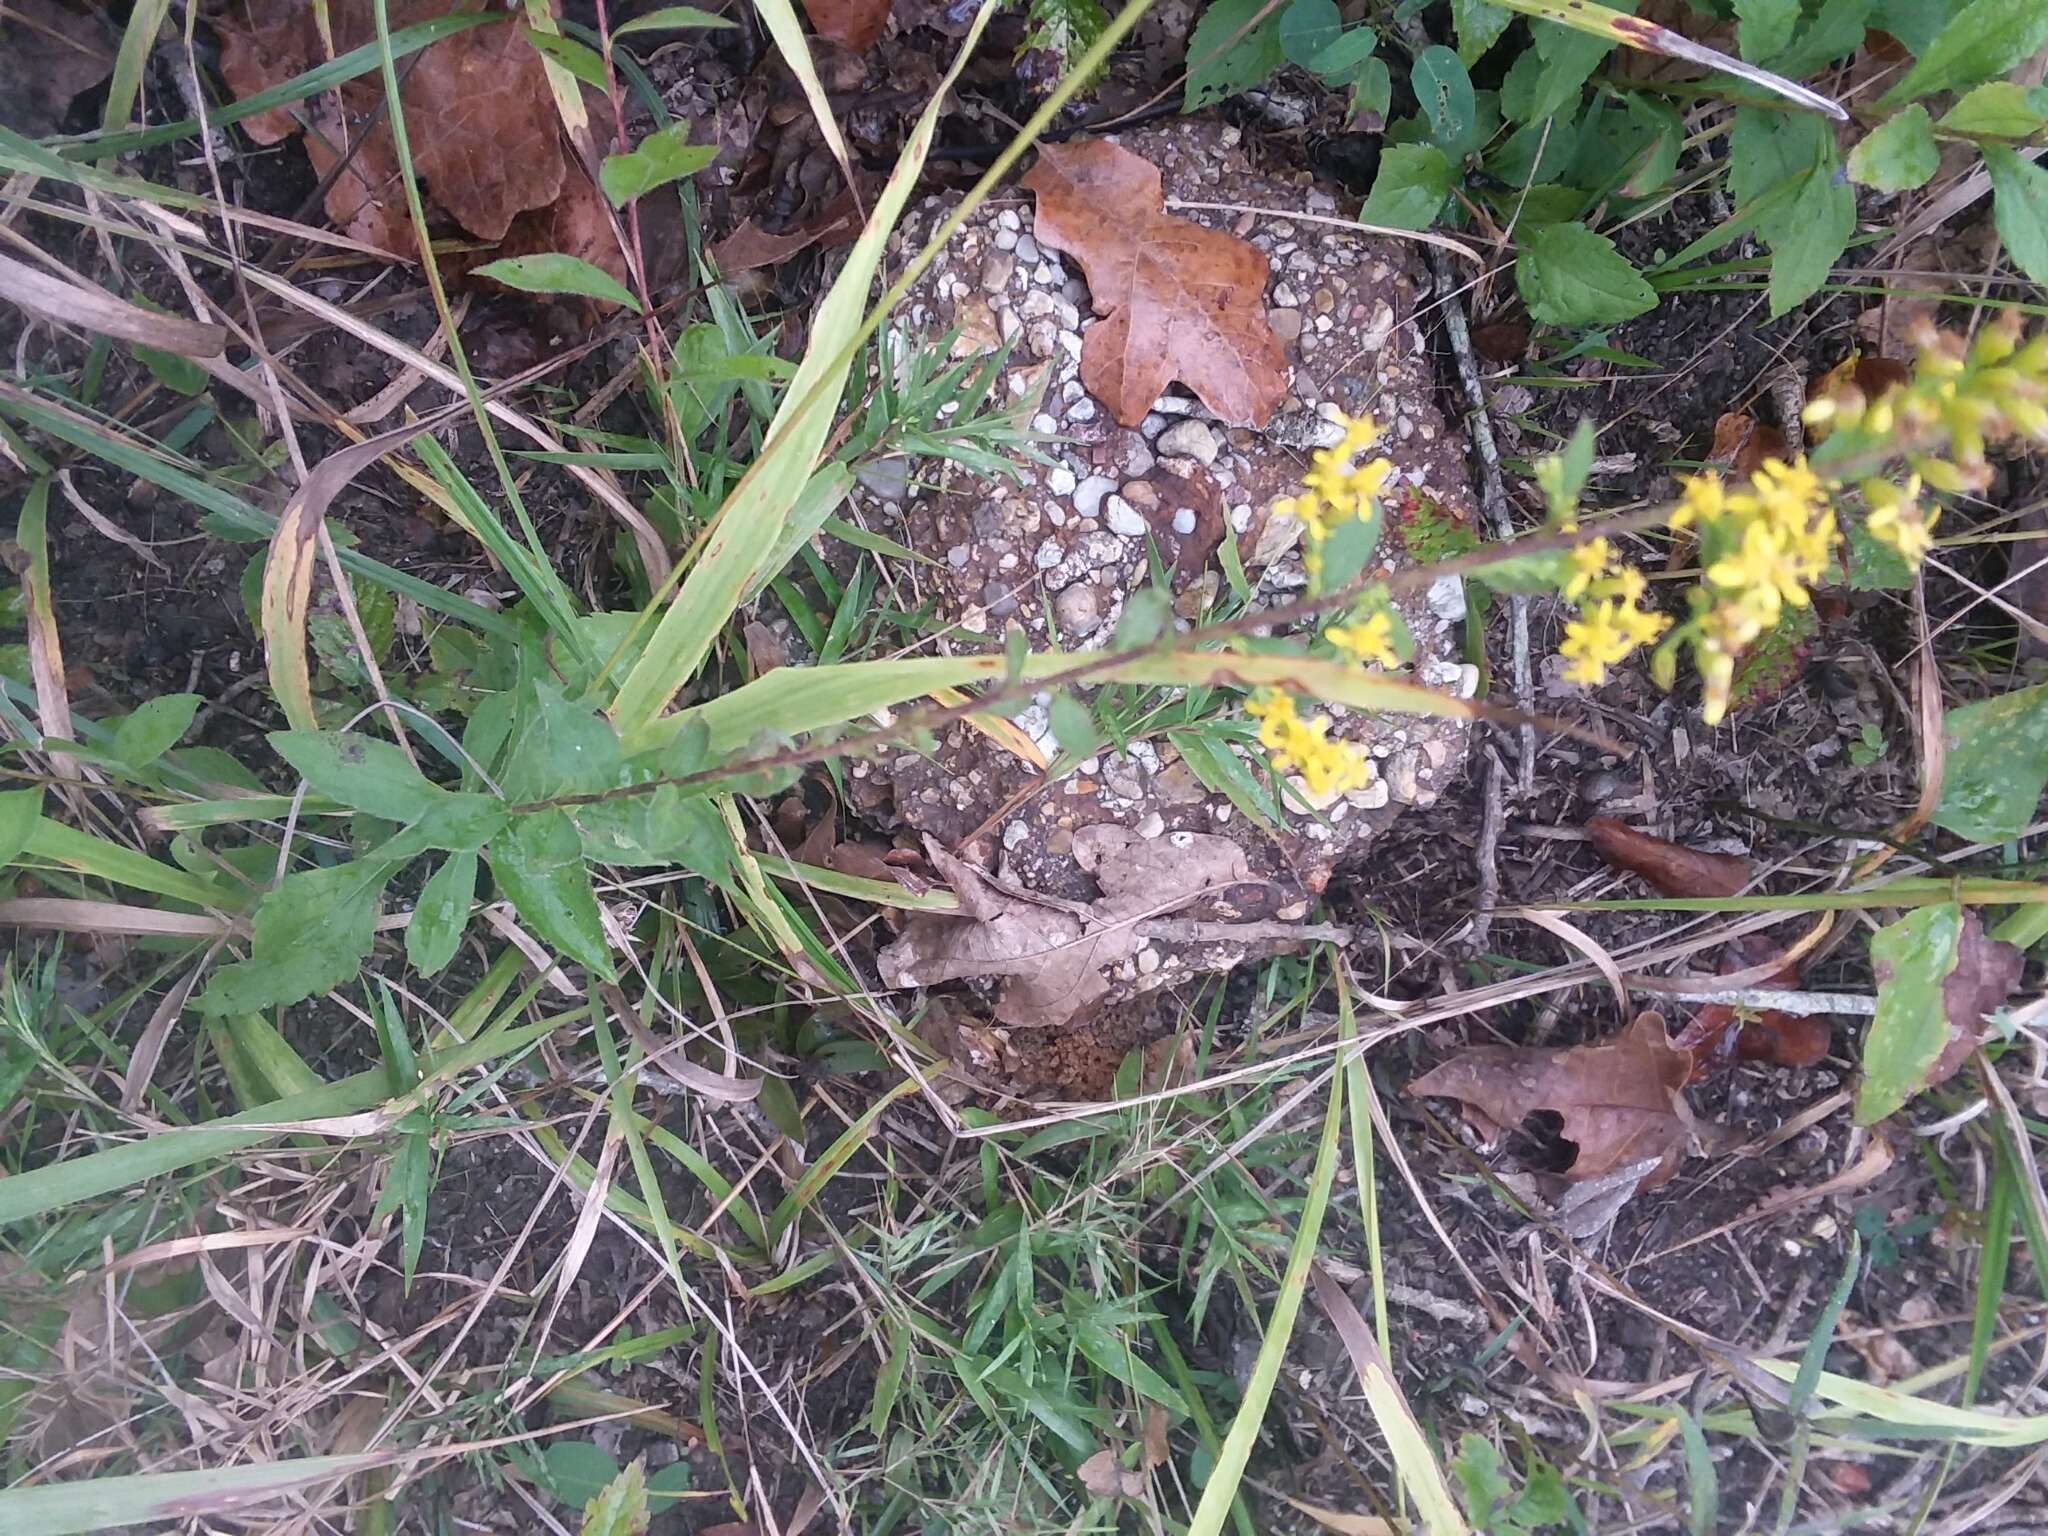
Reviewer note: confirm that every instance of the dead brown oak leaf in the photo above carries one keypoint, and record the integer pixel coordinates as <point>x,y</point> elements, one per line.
<point>1670,869</point>
<point>1175,300</point>
<point>1985,973</point>
<point>1052,957</point>
<point>480,117</point>
<point>856,23</point>
<point>1620,1101</point>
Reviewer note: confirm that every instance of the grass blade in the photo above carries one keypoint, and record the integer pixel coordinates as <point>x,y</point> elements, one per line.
<point>101,1503</point>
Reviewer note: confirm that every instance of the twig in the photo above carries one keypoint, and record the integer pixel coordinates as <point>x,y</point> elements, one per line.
<point>1804,1004</point>
<point>1488,855</point>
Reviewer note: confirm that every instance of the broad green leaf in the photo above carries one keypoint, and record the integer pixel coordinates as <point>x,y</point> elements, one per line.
<point>1835,32</point>
<point>441,913</point>
<point>1569,275</point>
<point>662,826</point>
<point>1566,59</point>
<point>1899,154</point>
<point>539,864</point>
<point>311,935</point>
<point>1235,47</point>
<point>1810,240</point>
<point>1766,149</point>
<point>578,1471</point>
<point>1480,24</point>
<point>620,1508</point>
<point>1444,89</point>
<point>1764,27</point>
<point>1073,724</point>
<point>669,18</point>
<point>1874,566</point>
<point>1413,181</point>
<point>1308,28</point>
<point>553,272</point>
<point>556,746</point>
<point>1983,40</point>
<point>1913,957</point>
<point>1483,1485</point>
<point>660,158</point>
<point>1998,109</point>
<point>1349,58</point>
<point>1997,765</point>
<point>176,373</point>
<point>581,61</point>
<point>154,728</point>
<point>20,810</point>
<point>2019,209</point>
<point>360,772</point>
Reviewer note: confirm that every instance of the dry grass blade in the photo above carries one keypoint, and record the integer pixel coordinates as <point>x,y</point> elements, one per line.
<point>93,309</point>
<point>45,651</point>
<point>1406,1442</point>
<point>60,914</point>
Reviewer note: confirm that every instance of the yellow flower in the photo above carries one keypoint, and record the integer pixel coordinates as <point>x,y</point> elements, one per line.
<point>1371,639</point>
<point>1589,562</point>
<point>1702,498</point>
<point>1897,518</point>
<point>1603,636</point>
<point>1303,746</point>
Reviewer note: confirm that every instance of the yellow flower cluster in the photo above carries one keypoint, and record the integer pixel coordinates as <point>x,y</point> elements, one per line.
<point>1612,623</point>
<point>1303,746</point>
<point>1338,487</point>
<point>1371,639</point>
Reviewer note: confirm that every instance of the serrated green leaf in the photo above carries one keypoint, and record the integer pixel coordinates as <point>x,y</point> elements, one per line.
<point>1913,957</point>
<point>1408,192</point>
<point>1996,767</point>
<point>1899,154</point>
<point>1480,24</point>
<point>1570,275</point>
<point>154,728</point>
<point>1764,27</point>
<point>539,865</point>
<point>1234,47</point>
<point>1983,40</point>
<point>1998,109</point>
<point>2019,208</point>
<point>1810,239</point>
<point>553,272</point>
<point>360,772</point>
<point>662,157</point>
<point>441,914</point>
<point>311,934</point>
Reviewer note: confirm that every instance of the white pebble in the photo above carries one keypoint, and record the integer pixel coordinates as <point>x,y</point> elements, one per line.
<point>1123,518</point>
<point>1049,555</point>
<point>1190,439</point>
<point>1184,521</point>
<point>1089,493</point>
<point>1447,598</point>
<point>1060,480</point>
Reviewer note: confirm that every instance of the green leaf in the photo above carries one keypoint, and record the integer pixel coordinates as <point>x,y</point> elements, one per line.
<point>620,1509</point>
<point>176,373</point>
<point>667,19</point>
<point>1899,154</point>
<point>360,772</point>
<point>1413,181</point>
<point>20,809</point>
<point>663,156</point>
<point>1998,109</point>
<point>578,1471</point>
<point>1073,723</point>
<point>1482,1482</point>
<point>666,826</point>
<point>1568,275</point>
<point>311,935</point>
<point>581,61</point>
<point>1764,27</point>
<point>1810,240</point>
<point>1444,89</point>
<point>1480,24</point>
<point>1835,33</point>
<point>539,864</point>
<point>553,272</point>
<point>1349,58</point>
<point>1874,566</point>
<point>666,1488</point>
<point>2019,189</point>
<point>1307,28</point>
<point>1112,1356</point>
<point>441,913</point>
<point>557,747</point>
<point>1983,40</point>
<point>1146,614</point>
<point>1997,765</point>
<point>1567,59</point>
<point>1233,49</point>
<point>154,728</point>
<point>1913,957</point>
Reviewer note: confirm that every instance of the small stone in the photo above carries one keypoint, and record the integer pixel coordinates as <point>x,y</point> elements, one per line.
<point>1402,781</point>
<point>1078,609</point>
<point>1037,305</point>
<point>1324,301</point>
<point>1373,796</point>
<point>1184,521</point>
<point>1240,518</point>
<point>1154,424</point>
<point>1008,219</point>
<point>1060,480</point>
<point>1102,549</point>
<point>1286,325</point>
<point>1027,248</point>
<point>1055,515</point>
<point>1284,297</point>
<point>1123,518</point>
<point>958,556</point>
<point>1447,598</point>
<point>1089,493</point>
<point>1148,960</point>
<point>1006,239</point>
<point>1139,493</point>
<point>1151,826</point>
<point>1015,833</point>
<point>1190,439</point>
<point>1378,329</point>
<point>1049,555</point>
<point>1139,460</point>
<point>995,272</point>
<point>1084,408</point>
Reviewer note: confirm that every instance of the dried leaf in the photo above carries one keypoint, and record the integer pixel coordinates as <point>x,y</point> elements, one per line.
<point>1987,970</point>
<point>1620,1102</point>
<point>1742,443</point>
<point>1176,300</point>
<point>1052,956</point>
<point>50,51</point>
<point>1157,1451</point>
<point>1102,1476</point>
<point>1671,869</point>
<point>856,23</point>
<point>366,201</point>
